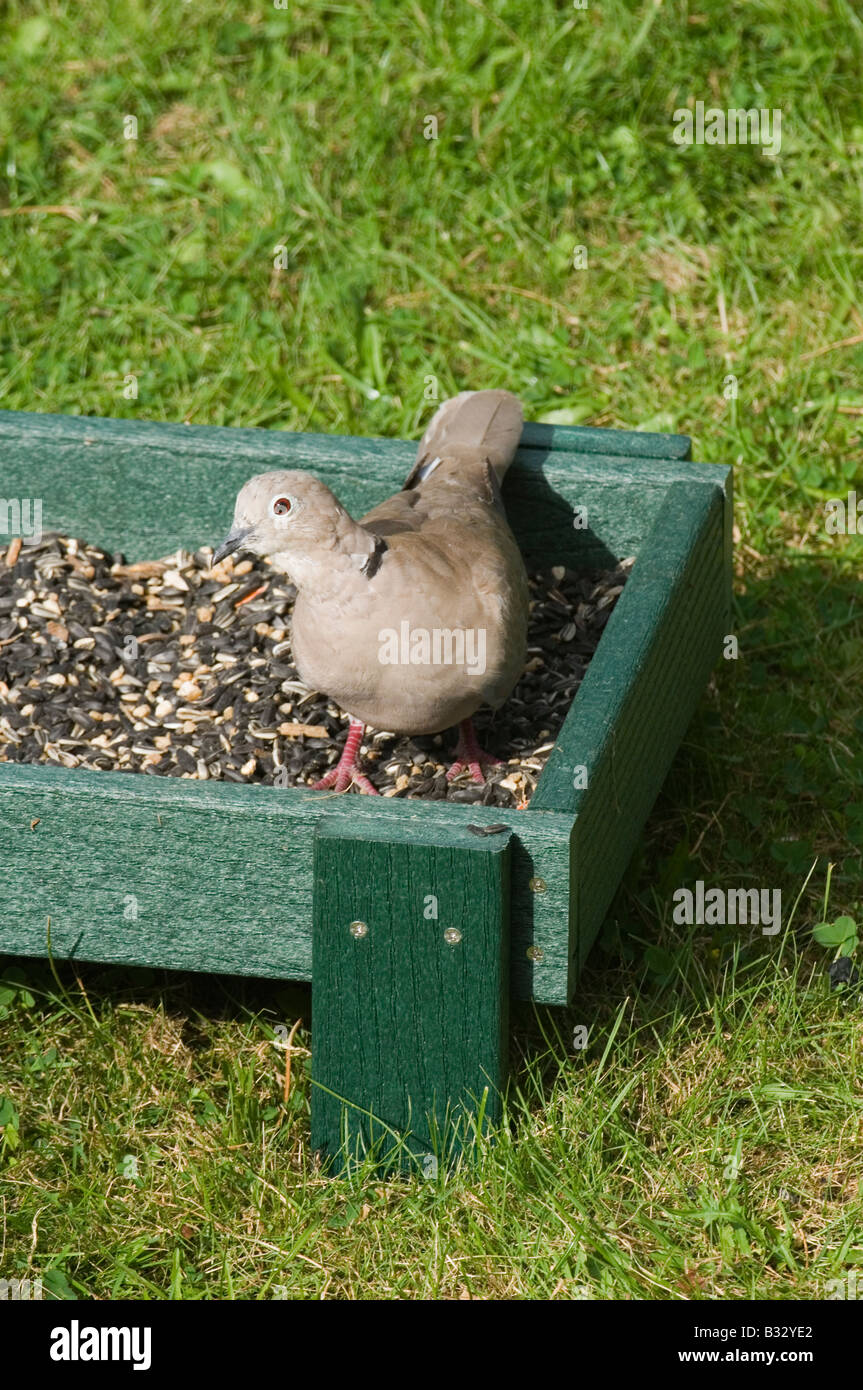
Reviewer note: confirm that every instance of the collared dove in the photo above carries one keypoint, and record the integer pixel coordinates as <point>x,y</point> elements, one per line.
<point>414,616</point>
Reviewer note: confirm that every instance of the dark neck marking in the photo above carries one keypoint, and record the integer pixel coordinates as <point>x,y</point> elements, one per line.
<point>373,563</point>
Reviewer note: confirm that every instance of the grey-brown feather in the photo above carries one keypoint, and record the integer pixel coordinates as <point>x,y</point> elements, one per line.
<point>450,562</point>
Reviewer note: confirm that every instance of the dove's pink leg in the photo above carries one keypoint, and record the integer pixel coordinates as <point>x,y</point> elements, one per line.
<point>347,769</point>
<point>469,755</point>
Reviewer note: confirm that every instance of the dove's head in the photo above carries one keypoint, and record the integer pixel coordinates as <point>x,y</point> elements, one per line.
<point>294,518</point>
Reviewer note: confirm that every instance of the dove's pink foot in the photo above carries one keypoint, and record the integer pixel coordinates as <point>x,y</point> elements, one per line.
<point>346,771</point>
<point>468,754</point>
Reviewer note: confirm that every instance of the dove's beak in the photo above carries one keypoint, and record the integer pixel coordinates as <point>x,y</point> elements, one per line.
<point>233,541</point>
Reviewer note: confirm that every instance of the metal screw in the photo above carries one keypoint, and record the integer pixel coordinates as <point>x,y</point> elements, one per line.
<point>358,929</point>
<point>535,953</point>
<point>452,936</point>
<point>538,885</point>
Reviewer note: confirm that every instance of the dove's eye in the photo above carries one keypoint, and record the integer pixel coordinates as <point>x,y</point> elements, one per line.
<point>280,506</point>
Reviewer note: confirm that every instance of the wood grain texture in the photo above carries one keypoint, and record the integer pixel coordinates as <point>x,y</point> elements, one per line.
<point>409,1030</point>
<point>212,439</point>
<point>220,874</point>
<point>638,697</point>
<point>144,489</point>
<point>592,439</point>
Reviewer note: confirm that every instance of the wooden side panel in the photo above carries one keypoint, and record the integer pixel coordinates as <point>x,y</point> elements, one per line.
<point>569,439</point>
<point>178,874</point>
<point>638,697</point>
<point>130,870</point>
<point>410,969</point>
<point>144,489</point>
<point>590,439</point>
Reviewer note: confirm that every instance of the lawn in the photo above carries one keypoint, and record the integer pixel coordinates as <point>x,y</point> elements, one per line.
<point>239,215</point>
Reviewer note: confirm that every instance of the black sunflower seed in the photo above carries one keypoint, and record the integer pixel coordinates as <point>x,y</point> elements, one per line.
<point>239,659</point>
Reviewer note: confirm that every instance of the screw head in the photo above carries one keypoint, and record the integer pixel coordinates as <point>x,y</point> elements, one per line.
<point>538,885</point>
<point>535,953</point>
<point>358,929</point>
<point>452,936</point>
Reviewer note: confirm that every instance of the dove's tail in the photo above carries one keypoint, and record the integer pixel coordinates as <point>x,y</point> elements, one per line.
<point>472,427</point>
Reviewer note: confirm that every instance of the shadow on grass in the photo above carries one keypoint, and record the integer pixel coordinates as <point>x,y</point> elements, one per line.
<point>768,782</point>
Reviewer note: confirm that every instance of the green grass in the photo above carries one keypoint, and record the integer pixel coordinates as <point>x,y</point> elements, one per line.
<point>706,1143</point>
